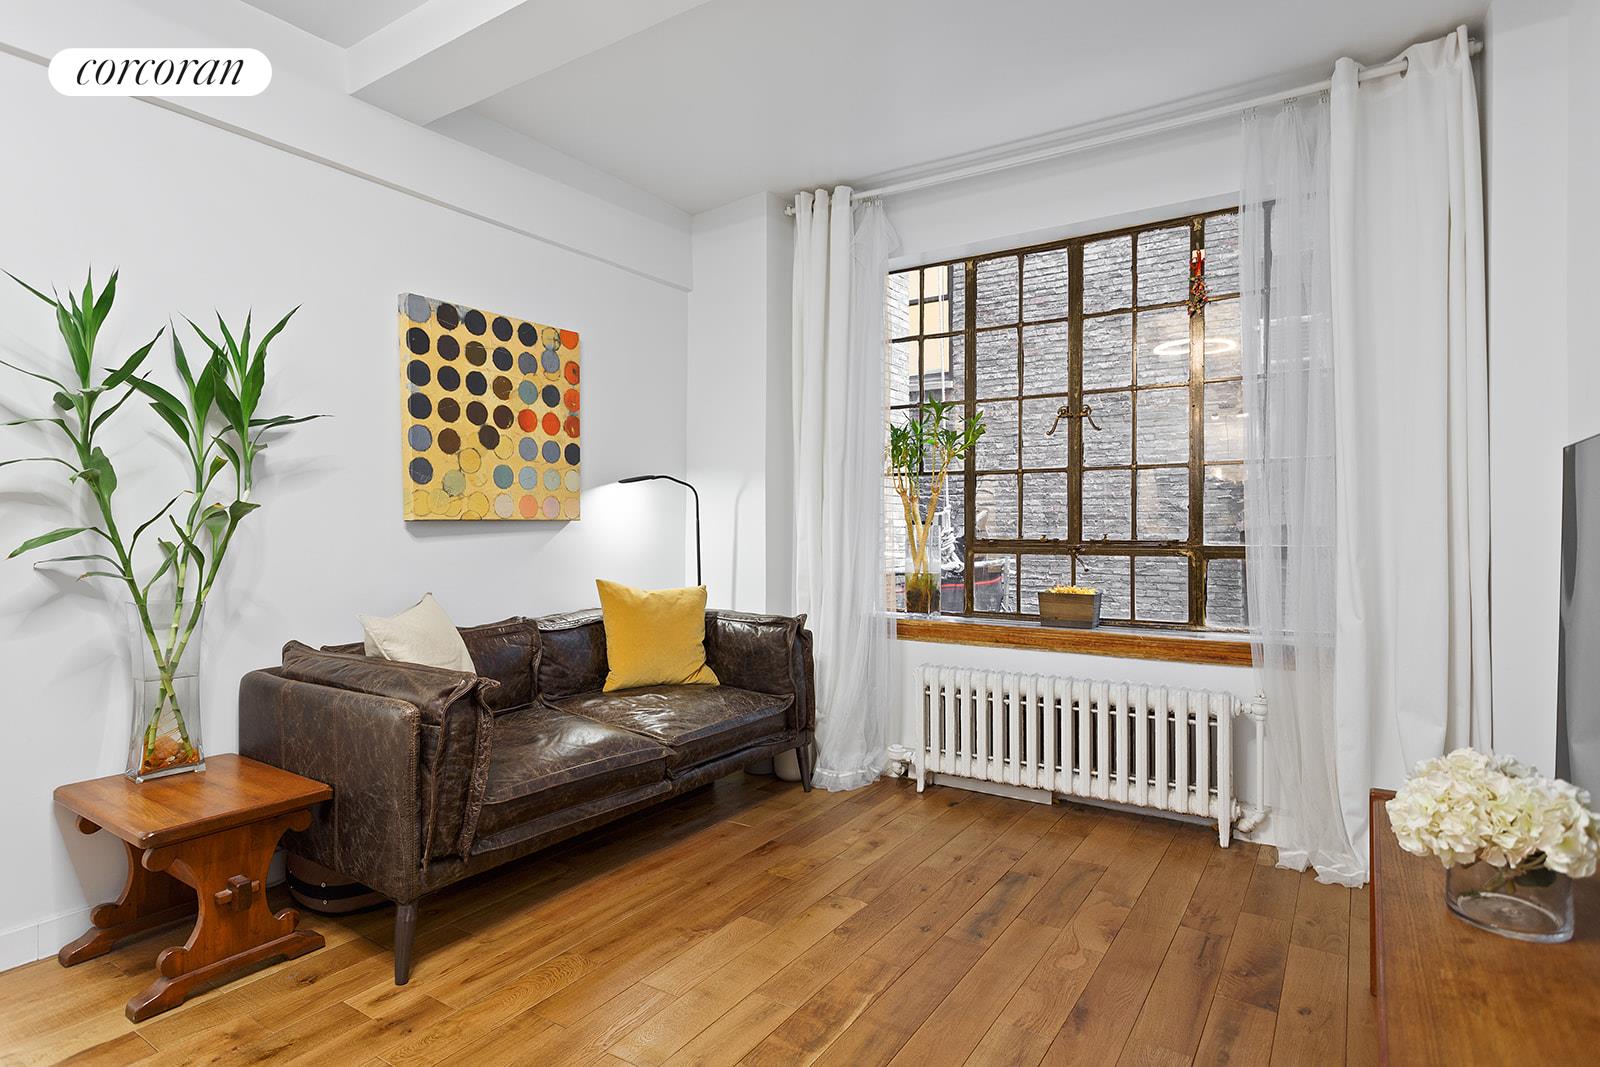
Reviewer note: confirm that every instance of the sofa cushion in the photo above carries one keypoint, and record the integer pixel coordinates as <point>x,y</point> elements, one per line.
<point>544,760</point>
<point>508,652</point>
<point>697,722</point>
<point>574,659</point>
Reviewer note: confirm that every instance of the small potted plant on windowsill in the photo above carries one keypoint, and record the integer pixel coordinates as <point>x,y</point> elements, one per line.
<point>1070,605</point>
<point>926,446</point>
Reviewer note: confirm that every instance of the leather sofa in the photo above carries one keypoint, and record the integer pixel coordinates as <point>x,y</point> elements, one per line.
<point>439,775</point>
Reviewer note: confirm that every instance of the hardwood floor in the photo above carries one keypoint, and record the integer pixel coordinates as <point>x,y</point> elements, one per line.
<point>751,923</point>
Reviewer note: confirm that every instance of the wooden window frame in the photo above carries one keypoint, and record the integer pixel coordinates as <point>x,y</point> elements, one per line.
<point>1197,554</point>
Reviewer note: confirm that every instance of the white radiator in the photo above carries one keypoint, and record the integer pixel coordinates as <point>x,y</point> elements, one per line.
<point>1149,746</point>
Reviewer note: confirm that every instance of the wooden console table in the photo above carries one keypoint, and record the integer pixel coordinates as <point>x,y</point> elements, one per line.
<point>1449,993</point>
<point>198,844</point>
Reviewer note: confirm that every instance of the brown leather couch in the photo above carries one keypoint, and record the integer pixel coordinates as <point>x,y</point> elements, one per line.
<point>438,775</point>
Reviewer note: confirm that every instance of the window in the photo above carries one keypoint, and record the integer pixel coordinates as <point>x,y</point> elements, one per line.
<point>1115,444</point>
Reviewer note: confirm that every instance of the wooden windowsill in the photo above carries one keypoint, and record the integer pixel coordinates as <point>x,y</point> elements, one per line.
<point>1128,644</point>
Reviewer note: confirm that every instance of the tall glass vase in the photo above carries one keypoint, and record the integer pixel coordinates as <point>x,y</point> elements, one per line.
<point>165,647</point>
<point>923,578</point>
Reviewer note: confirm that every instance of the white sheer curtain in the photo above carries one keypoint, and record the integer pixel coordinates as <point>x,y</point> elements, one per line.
<point>1367,480</point>
<point>1290,476</point>
<point>841,253</point>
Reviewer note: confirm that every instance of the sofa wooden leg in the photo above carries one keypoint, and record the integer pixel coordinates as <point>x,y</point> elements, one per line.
<point>803,754</point>
<point>405,931</point>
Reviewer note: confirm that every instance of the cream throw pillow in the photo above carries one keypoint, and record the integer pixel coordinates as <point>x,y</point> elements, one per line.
<point>420,634</point>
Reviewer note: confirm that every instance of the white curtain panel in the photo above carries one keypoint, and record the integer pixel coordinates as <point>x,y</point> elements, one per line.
<point>1366,502</point>
<point>841,254</point>
<point>1290,478</point>
<point>1411,380</point>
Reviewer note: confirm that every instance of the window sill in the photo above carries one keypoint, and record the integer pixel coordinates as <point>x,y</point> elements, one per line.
<point>1123,643</point>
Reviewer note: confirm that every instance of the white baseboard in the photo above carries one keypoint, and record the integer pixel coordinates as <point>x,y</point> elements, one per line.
<point>43,939</point>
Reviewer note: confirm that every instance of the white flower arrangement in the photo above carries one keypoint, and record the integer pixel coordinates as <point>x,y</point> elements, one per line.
<point>1467,807</point>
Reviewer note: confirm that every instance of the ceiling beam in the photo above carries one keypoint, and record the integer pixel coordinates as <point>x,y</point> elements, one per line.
<point>449,54</point>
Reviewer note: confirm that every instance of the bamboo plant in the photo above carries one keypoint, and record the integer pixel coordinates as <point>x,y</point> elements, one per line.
<point>926,443</point>
<point>214,415</point>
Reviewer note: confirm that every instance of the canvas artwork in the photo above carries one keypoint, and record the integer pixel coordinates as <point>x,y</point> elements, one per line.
<point>491,414</point>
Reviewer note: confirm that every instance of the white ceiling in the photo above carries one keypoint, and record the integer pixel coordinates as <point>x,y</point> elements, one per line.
<point>700,102</point>
<point>340,22</point>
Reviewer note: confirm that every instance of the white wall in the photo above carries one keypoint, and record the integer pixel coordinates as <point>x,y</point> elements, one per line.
<point>1583,221</point>
<point>1537,376</point>
<point>198,218</point>
<point>737,400</point>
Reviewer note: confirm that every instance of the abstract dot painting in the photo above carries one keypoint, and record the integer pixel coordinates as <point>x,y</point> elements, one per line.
<point>489,414</point>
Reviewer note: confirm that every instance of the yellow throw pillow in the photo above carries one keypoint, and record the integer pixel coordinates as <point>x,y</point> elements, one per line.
<point>654,636</point>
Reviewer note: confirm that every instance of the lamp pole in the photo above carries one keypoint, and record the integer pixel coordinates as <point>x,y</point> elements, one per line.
<point>698,578</point>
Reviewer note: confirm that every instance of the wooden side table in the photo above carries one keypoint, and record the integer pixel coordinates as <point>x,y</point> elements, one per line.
<point>198,844</point>
<point>1449,993</point>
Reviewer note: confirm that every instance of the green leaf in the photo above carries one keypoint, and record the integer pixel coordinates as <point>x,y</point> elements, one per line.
<point>48,300</point>
<point>181,361</point>
<point>176,422</point>
<point>124,372</point>
<point>159,396</point>
<point>1538,878</point>
<point>67,326</point>
<point>100,419</point>
<point>261,348</point>
<point>282,420</point>
<point>234,355</point>
<point>216,349</point>
<point>100,474</point>
<point>24,422</point>
<point>239,509</point>
<point>42,459</point>
<point>188,543</point>
<point>33,374</point>
<point>151,521</point>
<point>204,394</point>
<point>108,295</point>
<point>48,539</point>
<point>228,404</point>
<point>227,450</point>
<point>215,519</point>
<point>169,552</point>
<point>71,559</point>
<point>102,574</point>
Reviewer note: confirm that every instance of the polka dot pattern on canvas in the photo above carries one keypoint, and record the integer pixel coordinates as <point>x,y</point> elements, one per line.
<point>490,410</point>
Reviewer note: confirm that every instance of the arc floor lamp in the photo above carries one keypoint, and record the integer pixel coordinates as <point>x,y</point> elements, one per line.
<point>698,579</point>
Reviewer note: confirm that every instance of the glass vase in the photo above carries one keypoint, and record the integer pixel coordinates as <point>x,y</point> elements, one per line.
<point>165,737</point>
<point>923,595</point>
<point>1515,902</point>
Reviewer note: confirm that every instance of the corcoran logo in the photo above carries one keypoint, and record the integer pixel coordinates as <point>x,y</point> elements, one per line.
<point>160,72</point>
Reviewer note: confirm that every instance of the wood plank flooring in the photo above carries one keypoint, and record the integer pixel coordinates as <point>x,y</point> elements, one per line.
<point>751,923</point>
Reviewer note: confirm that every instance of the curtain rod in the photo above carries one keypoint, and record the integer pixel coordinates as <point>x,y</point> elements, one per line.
<point>1071,146</point>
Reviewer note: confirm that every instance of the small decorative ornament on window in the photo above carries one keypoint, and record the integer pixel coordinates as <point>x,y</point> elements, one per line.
<point>1197,282</point>
<point>1197,291</point>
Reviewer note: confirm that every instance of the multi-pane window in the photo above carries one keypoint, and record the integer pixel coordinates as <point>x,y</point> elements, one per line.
<point>1115,441</point>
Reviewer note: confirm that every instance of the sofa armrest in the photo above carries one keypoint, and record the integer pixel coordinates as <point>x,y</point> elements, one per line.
<point>765,654</point>
<point>367,748</point>
<point>454,733</point>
